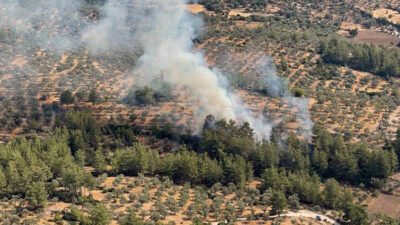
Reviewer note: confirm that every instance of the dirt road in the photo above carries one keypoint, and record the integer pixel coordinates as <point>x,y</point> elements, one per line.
<point>308,214</point>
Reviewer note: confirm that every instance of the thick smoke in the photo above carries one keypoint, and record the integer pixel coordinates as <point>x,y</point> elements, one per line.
<point>277,87</point>
<point>162,30</point>
<point>167,45</point>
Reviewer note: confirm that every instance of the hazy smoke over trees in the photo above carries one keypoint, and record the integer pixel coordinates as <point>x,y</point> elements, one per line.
<point>167,45</point>
<point>64,25</point>
<point>162,30</point>
<point>277,87</point>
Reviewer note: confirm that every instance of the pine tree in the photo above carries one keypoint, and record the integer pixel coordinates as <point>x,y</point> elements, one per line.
<point>270,179</point>
<point>294,202</point>
<point>320,161</point>
<point>37,195</point>
<point>3,180</point>
<point>278,202</point>
<point>93,96</point>
<point>14,180</point>
<point>394,162</point>
<point>356,214</point>
<point>80,157</point>
<point>332,193</point>
<point>99,162</point>
<point>72,177</point>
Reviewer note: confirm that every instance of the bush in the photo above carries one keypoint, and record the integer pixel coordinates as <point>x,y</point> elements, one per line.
<point>66,97</point>
<point>298,92</point>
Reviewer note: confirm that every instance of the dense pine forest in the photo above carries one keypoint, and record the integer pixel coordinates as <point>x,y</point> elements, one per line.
<point>42,168</point>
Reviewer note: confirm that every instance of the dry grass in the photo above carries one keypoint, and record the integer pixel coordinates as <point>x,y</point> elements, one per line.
<point>347,25</point>
<point>386,204</point>
<point>239,12</point>
<point>19,61</point>
<point>391,15</point>
<point>196,8</point>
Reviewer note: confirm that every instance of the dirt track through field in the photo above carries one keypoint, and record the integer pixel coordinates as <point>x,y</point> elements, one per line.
<point>308,214</point>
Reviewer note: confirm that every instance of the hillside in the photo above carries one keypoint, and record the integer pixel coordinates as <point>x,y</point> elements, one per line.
<point>174,112</point>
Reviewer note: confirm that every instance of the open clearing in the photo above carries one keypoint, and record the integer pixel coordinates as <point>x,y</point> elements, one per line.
<point>391,15</point>
<point>386,204</point>
<point>376,37</point>
<point>196,8</point>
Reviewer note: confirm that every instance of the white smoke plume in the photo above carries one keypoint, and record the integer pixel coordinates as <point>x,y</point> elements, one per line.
<point>54,24</point>
<point>167,45</point>
<point>114,30</point>
<point>163,30</point>
<point>276,86</point>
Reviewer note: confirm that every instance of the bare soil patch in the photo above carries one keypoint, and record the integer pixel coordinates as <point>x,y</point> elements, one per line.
<point>376,37</point>
<point>239,12</point>
<point>386,204</point>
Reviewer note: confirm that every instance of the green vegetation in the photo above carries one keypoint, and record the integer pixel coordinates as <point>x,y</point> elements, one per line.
<point>148,96</point>
<point>66,97</point>
<point>298,92</point>
<point>379,60</point>
<point>44,168</point>
<point>221,6</point>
